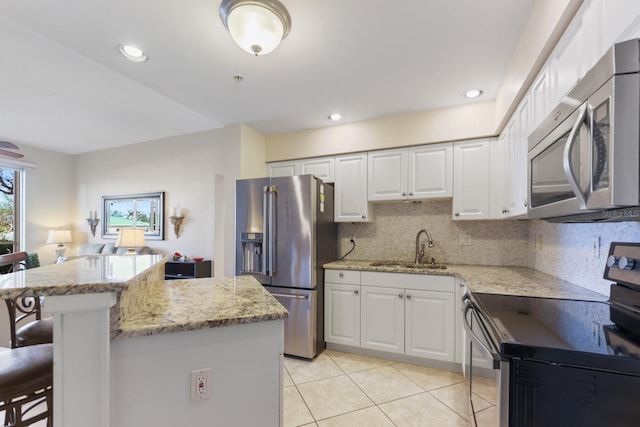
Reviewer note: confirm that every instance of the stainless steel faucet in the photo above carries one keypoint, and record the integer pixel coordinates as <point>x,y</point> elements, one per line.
<point>420,248</point>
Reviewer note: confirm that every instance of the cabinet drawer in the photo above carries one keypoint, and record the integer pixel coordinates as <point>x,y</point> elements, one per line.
<point>424,282</point>
<point>349,277</point>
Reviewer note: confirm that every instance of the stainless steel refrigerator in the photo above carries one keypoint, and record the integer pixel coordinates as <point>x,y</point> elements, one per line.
<point>284,234</point>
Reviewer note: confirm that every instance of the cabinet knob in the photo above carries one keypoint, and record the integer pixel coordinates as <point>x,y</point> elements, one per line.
<point>404,194</point>
<point>341,274</point>
<point>457,214</point>
<point>356,292</point>
<point>400,295</point>
<point>525,203</point>
<point>364,217</point>
<point>411,194</point>
<point>408,296</point>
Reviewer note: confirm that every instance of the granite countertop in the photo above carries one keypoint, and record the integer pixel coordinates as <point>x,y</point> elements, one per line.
<point>521,281</point>
<point>190,304</point>
<point>86,275</point>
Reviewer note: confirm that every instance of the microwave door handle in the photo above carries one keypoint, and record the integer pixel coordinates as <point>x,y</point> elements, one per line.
<point>566,160</point>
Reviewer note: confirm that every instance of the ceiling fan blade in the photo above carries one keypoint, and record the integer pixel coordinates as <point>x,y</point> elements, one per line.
<point>10,154</point>
<point>6,144</point>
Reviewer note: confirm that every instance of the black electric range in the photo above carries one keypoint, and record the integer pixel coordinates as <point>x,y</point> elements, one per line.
<point>601,334</point>
<point>569,362</point>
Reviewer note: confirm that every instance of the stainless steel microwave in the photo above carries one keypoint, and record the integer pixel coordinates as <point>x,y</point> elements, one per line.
<point>585,156</point>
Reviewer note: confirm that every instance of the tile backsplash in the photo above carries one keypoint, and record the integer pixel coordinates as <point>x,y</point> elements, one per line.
<point>567,252</point>
<point>392,236</point>
<point>561,250</point>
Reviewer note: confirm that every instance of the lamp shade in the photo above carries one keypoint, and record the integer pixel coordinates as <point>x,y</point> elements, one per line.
<point>59,236</point>
<point>130,238</point>
<point>257,26</point>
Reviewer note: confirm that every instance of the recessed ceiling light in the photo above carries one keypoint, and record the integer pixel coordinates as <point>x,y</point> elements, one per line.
<point>132,53</point>
<point>335,117</point>
<point>473,93</point>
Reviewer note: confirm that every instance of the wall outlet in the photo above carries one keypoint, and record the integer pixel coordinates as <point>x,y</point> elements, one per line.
<point>464,240</point>
<point>539,242</point>
<point>201,384</point>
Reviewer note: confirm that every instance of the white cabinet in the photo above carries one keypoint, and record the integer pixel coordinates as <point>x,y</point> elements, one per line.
<point>350,194</point>
<point>429,324</point>
<point>382,323</point>
<point>471,179</point>
<point>518,149</point>
<point>321,167</point>
<point>342,314</point>
<point>408,314</point>
<point>430,171</point>
<point>387,175</point>
<point>285,168</point>
<point>422,172</point>
<point>498,178</point>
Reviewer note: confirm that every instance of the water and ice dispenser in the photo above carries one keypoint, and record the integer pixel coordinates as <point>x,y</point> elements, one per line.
<point>251,252</point>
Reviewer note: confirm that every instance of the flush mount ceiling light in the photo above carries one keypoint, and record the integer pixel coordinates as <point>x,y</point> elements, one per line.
<point>473,93</point>
<point>257,26</point>
<point>335,117</point>
<point>132,53</point>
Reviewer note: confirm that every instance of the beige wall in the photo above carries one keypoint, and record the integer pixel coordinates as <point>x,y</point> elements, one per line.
<point>49,199</point>
<point>548,20</point>
<point>197,170</point>
<point>447,124</point>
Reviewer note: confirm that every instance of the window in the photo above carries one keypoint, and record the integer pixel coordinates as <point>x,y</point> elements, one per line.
<point>144,211</point>
<point>10,180</point>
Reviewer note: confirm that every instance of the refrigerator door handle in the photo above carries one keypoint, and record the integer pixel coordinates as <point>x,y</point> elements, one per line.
<point>273,232</point>
<point>265,222</point>
<point>269,220</point>
<point>290,296</point>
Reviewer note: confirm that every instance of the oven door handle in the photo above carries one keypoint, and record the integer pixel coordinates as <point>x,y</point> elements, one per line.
<point>495,357</point>
<point>572,177</point>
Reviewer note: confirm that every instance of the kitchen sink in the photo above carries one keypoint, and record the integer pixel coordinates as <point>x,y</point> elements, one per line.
<point>418,266</point>
<point>386,264</point>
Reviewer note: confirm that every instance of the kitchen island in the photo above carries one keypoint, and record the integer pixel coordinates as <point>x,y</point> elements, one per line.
<point>126,341</point>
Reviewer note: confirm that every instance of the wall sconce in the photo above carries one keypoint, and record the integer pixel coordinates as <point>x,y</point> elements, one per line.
<point>176,219</point>
<point>93,222</point>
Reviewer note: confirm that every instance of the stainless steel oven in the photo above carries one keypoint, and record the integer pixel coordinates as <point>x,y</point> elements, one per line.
<point>483,364</point>
<point>586,155</point>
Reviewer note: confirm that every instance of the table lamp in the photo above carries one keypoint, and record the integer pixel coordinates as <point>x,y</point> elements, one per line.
<point>59,237</point>
<point>130,238</point>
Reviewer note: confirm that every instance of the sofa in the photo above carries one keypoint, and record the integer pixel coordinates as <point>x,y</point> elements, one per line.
<point>110,249</point>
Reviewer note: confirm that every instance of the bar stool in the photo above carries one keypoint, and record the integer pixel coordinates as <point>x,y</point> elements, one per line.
<point>36,331</point>
<point>26,381</point>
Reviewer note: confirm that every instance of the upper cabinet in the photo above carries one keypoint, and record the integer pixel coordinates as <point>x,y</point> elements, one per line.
<point>321,167</point>
<point>471,179</point>
<point>286,168</point>
<point>350,194</point>
<point>414,173</point>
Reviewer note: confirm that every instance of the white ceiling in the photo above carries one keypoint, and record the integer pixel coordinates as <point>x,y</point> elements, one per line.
<point>64,87</point>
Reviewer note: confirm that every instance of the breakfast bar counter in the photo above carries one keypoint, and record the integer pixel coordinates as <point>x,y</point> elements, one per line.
<point>126,341</point>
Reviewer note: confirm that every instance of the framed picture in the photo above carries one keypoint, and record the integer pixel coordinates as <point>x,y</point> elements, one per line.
<point>144,211</point>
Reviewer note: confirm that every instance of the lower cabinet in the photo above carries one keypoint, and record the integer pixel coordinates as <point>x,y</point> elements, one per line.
<point>408,314</point>
<point>382,319</point>
<point>342,314</point>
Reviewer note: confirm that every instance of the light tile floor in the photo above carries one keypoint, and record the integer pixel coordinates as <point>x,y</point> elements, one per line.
<point>342,390</point>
